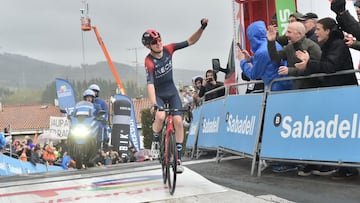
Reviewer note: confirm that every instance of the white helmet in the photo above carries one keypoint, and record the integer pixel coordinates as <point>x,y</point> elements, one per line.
<point>94,87</point>
<point>88,92</point>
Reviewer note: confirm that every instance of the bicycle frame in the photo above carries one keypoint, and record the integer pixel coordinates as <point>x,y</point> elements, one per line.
<point>169,129</point>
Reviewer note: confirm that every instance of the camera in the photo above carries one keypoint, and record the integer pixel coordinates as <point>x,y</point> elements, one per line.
<point>209,79</point>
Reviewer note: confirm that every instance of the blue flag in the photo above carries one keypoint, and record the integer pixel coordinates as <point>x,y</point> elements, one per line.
<point>65,94</point>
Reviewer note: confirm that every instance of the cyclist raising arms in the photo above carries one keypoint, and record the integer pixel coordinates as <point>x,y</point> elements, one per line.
<point>161,86</point>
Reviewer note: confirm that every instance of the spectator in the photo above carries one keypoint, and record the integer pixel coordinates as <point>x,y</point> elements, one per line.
<point>297,16</point>
<point>349,38</point>
<point>296,35</point>
<point>101,158</point>
<point>23,156</point>
<point>209,84</point>
<point>260,65</point>
<point>345,20</point>
<point>294,17</point>
<point>115,157</point>
<point>49,155</point>
<point>197,85</point>
<point>335,55</point>
<point>28,140</point>
<point>187,97</point>
<point>67,162</point>
<point>36,155</point>
<point>310,25</point>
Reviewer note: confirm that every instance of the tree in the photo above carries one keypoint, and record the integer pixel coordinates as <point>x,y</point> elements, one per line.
<point>146,123</point>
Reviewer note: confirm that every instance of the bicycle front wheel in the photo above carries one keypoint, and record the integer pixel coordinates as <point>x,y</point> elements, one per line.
<point>172,164</point>
<point>163,158</point>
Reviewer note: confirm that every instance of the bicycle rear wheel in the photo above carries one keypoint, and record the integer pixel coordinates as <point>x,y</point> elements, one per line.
<point>172,162</point>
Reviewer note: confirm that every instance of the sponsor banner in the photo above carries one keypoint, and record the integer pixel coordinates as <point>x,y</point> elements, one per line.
<point>65,94</point>
<point>134,135</point>
<point>283,9</point>
<point>313,125</point>
<point>211,116</point>
<point>12,166</point>
<point>194,128</point>
<point>121,126</point>
<point>240,123</point>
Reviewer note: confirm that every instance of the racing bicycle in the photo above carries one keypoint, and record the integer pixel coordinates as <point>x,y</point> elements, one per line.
<point>168,150</point>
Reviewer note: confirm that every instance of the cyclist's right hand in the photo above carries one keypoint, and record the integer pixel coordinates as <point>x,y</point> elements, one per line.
<point>153,108</point>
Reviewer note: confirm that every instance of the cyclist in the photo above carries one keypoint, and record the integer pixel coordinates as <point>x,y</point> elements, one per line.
<point>103,106</point>
<point>161,86</point>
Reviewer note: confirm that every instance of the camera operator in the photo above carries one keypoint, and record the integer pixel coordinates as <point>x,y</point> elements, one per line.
<point>211,83</point>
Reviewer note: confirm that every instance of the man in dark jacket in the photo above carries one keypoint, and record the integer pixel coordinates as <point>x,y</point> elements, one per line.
<point>345,20</point>
<point>209,84</point>
<point>310,25</point>
<point>335,55</point>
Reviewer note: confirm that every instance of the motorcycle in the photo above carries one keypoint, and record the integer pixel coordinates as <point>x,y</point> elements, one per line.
<point>86,134</point>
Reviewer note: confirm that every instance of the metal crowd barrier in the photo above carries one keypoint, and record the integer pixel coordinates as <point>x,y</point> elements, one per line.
<point>246,124</point>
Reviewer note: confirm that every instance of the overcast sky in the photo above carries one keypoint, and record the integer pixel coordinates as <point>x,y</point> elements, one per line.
<point>49,30</point>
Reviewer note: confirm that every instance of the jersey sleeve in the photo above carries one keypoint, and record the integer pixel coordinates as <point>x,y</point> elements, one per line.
<point>175,46</point>
<point>149,67</point>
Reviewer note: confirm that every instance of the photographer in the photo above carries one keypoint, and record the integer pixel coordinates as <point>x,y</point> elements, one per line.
<point>209,84</point>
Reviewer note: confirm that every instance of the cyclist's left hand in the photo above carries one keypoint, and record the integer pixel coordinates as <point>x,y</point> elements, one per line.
<point>204,23</point>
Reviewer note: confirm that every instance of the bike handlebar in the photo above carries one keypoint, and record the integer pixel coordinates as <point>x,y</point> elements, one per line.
<point>170,110</point>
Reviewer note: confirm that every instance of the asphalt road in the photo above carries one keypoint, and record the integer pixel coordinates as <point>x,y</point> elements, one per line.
<point>235,174</point>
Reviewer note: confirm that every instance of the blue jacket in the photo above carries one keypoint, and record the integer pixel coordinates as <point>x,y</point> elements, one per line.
<point>103,106</point>
<point>263,67</point>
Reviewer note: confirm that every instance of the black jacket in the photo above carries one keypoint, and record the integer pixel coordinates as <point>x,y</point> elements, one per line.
<point>335,57</point>
<point>212,95</point>
<point>348,24</point>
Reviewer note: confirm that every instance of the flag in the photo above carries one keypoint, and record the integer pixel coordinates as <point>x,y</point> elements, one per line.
<point>65,94</point>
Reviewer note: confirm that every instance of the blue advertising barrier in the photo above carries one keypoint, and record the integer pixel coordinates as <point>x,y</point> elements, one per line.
<point>211,115</point>
<point>3,168</point>
<point>319,125</point>
<point>241,122</point>
<point>11,166</point>
<point>191,141</point>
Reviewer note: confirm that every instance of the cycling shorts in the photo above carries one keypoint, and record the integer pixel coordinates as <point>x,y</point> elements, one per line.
<point>173,100</point>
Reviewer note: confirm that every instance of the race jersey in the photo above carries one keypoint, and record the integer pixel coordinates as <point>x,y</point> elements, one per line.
<point>160,71</point>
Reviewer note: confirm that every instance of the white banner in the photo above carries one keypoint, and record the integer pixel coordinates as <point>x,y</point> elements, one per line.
<point>59,126</point>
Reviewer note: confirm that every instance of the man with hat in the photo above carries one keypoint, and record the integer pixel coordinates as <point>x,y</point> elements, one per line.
<point>297,16</point>
<point>310,25</point>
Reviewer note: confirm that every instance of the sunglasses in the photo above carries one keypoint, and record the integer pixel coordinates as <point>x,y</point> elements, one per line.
<point>155,41</point>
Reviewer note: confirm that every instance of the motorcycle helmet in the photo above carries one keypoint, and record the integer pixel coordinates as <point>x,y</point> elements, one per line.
<point>149,36</point>
<point>87,93</point>
<point>94,87</point>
